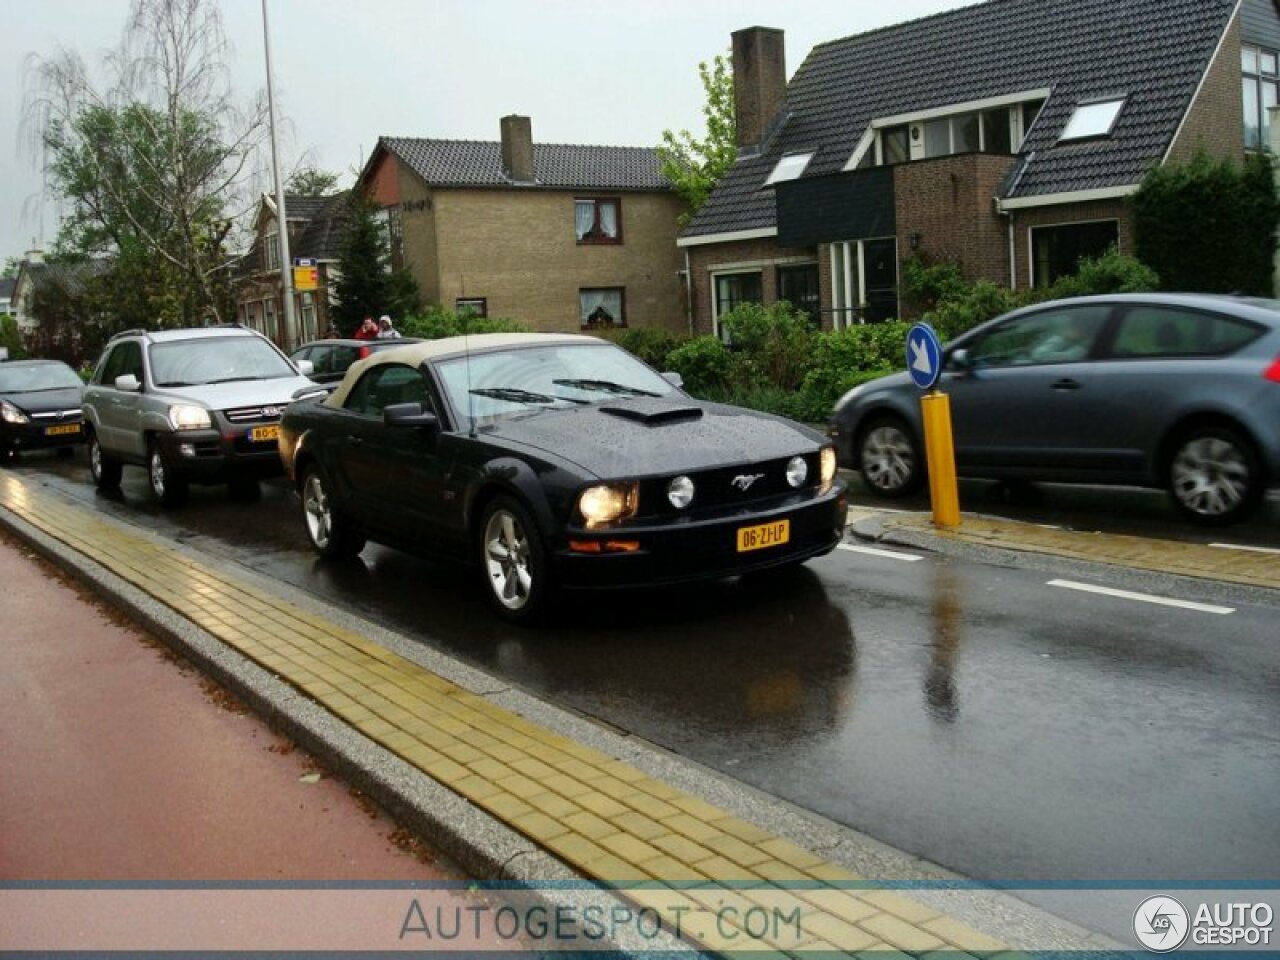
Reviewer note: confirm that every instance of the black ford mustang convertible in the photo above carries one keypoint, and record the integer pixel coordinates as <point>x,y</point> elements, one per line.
<point>555,460</point>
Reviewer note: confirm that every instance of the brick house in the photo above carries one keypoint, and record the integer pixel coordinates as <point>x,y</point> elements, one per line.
<point>316,230</point>
<point>560,237</point>
<point>1005,137</point>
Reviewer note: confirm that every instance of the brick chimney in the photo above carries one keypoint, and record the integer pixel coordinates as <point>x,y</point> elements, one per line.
<point>517,149</point>
<point>759,82</point>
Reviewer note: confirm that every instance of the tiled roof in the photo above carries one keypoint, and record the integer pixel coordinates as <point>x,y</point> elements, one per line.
<point>1152,52</point>
<point>327,228</point>
<point>472,163</point>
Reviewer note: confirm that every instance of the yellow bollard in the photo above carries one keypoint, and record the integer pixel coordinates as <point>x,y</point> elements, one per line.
<point>940,455</point>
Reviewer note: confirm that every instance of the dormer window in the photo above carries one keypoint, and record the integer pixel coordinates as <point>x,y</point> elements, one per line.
<point>1092,120</point>
<point>789,167</point>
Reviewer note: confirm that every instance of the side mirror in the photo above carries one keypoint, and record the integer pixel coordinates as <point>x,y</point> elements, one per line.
<point>128,383</point>
<point>409,415</point>
<point>306,367</point>
<point>674,379</point>
<point>960,360</point>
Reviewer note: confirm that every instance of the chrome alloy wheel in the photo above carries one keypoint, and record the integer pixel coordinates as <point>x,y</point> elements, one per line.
<point>1210,476</point>
<point>156,473</point>
<point>888,459</point>
<point>95,459</point>
<point>506,560</point>
<point>315,506</point>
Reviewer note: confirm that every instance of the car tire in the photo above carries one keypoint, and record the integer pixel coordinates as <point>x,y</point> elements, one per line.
<point>889,458</point>
<point>104,469</point>
<point>1214,475</point>
<point>330,530</point>
<point>513,562</point>
<point>168,486</point>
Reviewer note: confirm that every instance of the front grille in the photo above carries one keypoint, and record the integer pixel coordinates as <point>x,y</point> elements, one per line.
<point>717,488</point>
<point>59,416</point>
<point>268,414</point>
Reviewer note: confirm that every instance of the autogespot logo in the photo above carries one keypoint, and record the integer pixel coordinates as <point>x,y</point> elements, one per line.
<point>1161,924</point>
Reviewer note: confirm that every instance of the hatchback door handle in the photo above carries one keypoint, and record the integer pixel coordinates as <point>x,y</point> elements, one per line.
<point>1066,383</point>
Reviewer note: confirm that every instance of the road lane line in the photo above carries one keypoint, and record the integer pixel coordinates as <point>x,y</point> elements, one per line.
<point>1241,546</point>
<point>877,552</point>
<point>1144,597</point>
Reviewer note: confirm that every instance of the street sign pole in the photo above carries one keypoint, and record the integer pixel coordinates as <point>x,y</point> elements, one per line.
<point>924,362</point>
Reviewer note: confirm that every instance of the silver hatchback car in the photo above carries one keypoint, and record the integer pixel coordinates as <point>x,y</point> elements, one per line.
<point>1180,391</point>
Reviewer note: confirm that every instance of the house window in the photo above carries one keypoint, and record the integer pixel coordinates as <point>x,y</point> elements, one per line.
<point>471,307</point>
<point>895,147</point>
<point>864,281</point>
<point>1092,120</point>
<point>271,249</point>
<point>602,307</point>
<point>395,238</point>
<point>1259,87</point>
<point>789,167</point>
<point>1056,251</point>
<point>798,285</point>
<point>598,221</point>
<point>733,289</point>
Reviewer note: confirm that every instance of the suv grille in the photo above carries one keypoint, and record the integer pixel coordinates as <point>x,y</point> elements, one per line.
<point>254,414</point>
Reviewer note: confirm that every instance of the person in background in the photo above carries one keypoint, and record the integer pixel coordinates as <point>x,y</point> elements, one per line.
<point>385,330</point>
<point>332,333</point>
<point>368,330</point>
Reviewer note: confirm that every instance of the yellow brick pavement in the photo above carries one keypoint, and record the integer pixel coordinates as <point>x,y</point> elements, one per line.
<point>609,820</point>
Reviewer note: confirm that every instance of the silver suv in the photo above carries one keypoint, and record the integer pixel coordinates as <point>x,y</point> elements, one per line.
<point>192,406</point>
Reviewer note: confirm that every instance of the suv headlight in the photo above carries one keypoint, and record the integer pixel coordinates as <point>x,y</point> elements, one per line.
<point>608,503</point>
<point>11,414</point>
<point>187,416</point>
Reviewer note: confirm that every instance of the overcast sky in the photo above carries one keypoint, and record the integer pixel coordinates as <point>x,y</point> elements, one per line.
<point>350,71</point>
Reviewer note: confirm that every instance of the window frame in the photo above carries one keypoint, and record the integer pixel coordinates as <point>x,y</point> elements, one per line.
<point>482,312</point>
<point>1256,82</point>
<point>717,309</point>
<point>596,236</point>
<point>1088,127</point>
<point>812,306</point>
<point>1033,260</point>
<point>790,166</point>
<point>619,323</point>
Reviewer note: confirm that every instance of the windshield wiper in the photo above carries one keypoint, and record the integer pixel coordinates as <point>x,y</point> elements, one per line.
<point>178,383</point>
<point>516,395</point>
<point>232,379</point>
<point>606,386</point>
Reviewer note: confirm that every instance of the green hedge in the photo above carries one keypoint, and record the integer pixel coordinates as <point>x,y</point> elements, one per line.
<point>438,322</point>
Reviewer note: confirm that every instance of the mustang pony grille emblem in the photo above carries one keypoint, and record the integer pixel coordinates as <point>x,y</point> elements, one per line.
<point>743,481</point>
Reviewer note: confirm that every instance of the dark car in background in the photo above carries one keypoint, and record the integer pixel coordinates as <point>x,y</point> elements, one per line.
<point>1174,391</point>
<point>330,359</point>
<point>555,460</point>
<point>39,407</point>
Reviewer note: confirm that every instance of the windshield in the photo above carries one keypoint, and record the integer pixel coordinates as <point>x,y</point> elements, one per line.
<point>502,384</point>
<point>189,363</point>
<point>37,376</point>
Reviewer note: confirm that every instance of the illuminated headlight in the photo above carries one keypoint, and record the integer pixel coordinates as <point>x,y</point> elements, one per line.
<point>827,459</point>
<point>680,492</point>
<point>607,503</point>
<point>11,414</point>
<point>186,416</point>
<point>797,471</point>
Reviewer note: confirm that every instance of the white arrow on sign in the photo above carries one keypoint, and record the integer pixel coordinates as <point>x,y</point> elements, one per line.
<point>920,357</point>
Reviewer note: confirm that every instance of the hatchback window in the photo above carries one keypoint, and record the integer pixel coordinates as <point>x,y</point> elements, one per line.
<point>1062,335</point>
<point>1157,331</point>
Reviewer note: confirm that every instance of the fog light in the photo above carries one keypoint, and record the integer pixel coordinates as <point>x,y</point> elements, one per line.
<point>680,492</point>
<point>797,471</point>
<point>187,449</point>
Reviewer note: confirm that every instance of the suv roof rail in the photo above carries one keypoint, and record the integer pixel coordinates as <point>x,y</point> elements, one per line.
<point>130,333</point>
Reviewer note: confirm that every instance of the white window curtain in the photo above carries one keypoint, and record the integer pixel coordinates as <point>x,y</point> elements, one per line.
<point>609,219</point>
<point>610,301</point>
<point>584,216</point>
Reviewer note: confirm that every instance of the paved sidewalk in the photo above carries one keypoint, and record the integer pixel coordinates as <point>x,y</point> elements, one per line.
<point>609,820</point>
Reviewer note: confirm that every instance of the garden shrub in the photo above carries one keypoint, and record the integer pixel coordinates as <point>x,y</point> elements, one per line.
<point>777,340</point>
<point>704,363</point>
<point>438,322</point>
<point>653,345</point>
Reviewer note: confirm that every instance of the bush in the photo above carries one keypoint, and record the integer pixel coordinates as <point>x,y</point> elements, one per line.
<point>842,359</point>
<point>438,322</point>
<point>11,337</point>
<point>775,342</point>
<point>653,345</point>
<point>1109,273</point>
<point>704,363</point>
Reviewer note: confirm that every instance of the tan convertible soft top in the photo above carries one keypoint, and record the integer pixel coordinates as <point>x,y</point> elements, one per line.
<point>415,354</point>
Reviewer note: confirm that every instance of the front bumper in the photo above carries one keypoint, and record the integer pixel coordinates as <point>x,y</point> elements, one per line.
<point>686,550</point>
<point>215,456</point>
<point>41,436</point>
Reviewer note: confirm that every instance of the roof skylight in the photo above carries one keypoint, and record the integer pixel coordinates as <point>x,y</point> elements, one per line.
<point>1092,120</point>
<point>789,167</point>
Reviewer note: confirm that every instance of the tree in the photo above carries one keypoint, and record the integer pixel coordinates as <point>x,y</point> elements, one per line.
<point>156,162</point>
<point>311,182</point>
<point>366,285</point>
<point>695,166</point>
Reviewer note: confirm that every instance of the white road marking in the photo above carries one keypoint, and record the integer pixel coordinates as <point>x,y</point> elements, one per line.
<point>877,552</point>
<point>1241,546</point>
<point>1144,597</point>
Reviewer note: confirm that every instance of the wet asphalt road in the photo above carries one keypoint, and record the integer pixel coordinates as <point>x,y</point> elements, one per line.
<point>966,712</point>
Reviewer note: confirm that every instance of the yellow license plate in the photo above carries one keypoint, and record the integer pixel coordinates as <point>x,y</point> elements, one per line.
<point>765,535</point>
<point>62,430</point>
<point>263,434</point>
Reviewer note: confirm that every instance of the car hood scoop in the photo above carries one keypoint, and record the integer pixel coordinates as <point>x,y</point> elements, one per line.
<point>652,411</point>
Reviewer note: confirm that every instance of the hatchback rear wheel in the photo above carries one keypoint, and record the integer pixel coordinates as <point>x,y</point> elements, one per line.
<point>1214,475</point>
<point>889,458</point>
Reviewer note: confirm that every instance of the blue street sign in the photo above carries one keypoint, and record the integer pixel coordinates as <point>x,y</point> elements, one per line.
<point>924,356</point>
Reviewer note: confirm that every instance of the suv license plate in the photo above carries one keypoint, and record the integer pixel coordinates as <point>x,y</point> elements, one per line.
<point>764,535</point>
<point>263,434</point>
<point>61,430</point>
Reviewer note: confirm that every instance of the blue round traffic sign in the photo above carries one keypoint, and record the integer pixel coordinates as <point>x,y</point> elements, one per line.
<point>924,356</point>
